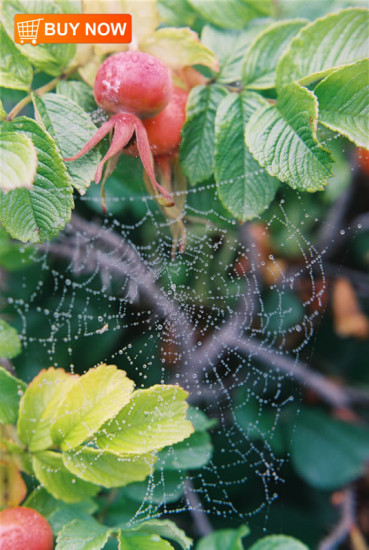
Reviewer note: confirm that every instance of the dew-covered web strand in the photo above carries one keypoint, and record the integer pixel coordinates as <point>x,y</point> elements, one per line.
<point>195,321</point>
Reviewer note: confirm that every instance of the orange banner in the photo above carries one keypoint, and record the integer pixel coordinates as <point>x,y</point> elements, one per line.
<point>44,28</point>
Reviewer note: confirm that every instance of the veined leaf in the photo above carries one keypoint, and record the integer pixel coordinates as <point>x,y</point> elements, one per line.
<point>83,535</point>
<point>278,542</point>
<point>79,92</point>
<point>18,161</point>
<point>108,469</point>
<point>179,48</point>
<point>177,13</point>
<point>344,102</point>
<point>190,454</point>
<point>327,43</point>
<point>15,69</point>
<point>11,389</point>
<point>224,539</point>
<point>134,541</point>
<point>262,56</point>
<point>244,188</point>
<point>153,419</point>
<point>50,58</point>
<point>96,397</point>
<point>41,212</point>
<point>197,147</point>
<point>58,481</point>
<point>72,128</point>
<point>229,46</point>
<point>283,139</point>
<point>38,405</point>
<point>232,14</point>
<point>164,528</point>
<point>10,345</point>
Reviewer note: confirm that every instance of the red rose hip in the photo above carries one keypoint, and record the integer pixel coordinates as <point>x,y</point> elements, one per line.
<point>23,528</point>
<point>133,82</point>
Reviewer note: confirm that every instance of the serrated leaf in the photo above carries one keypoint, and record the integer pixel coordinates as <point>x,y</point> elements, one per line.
<point>83,535</point>
<point>328,453</point>
<point>39,213</point>
<point>131,541</point>
<point>15,69</point>
<point>96,397</point>
<point>229,46</point>
<point>244,188</point>
<point>108,469</point>
<point>344,102</point>
<point>232,14</point>
<point>50,58</point>
<point>190,454</point>
<point>72,128</point>
<point>262,56</point>
<point>283,139</point>
<point>18,161</point>
<point>224,539</point>
<point>10,345</point>
<point>166,529</point>
<point>179,48</point>
<point>278,542</point>
<point>11,389</point>
<point>38,405</point>
<point>197,146</point>
<point>79,92</point>
<point>58,481</point>
<point>153,419</point>
<point>327,43</point>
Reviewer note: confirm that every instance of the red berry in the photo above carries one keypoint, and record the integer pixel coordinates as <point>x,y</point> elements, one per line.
<point>24,529</point>
<point>133,82</point>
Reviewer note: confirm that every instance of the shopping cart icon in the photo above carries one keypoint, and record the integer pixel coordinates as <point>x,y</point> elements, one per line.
<point>28,30</point>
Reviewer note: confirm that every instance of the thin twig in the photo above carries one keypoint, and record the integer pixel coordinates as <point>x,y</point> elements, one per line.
<point>200,518</point>
<point>344,526</point>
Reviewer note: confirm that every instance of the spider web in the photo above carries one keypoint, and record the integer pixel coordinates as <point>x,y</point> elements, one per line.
<point>227,319</point>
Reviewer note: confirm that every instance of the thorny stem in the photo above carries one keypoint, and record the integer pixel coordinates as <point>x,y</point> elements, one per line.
<point>39,92</point>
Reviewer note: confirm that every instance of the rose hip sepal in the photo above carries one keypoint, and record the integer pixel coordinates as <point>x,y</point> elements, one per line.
<point>23,528</point>
<point>125,125</point>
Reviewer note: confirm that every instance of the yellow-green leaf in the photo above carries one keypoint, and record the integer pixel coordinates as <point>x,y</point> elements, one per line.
<point>96,397</point>
<point>179,48</point>
<point>18,161</point>
<point>153,419</point>
<point>38,406</point>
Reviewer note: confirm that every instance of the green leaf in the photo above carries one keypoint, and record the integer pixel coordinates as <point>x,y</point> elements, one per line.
<point>229,46</point>
<point>83,535</point>
<point>225,539</point>
<point>179,48</point>
<point>58,481</point>
<point>11,389</point>
<point>2,112</point>
<point>232,14</point>
<point>262,56</point>
<point>199,419</point>
<point>278,542</point>
<point>243,187</point>
<point>166,529</point>
<point>131,541</point>
<point>153,419</point>
<point>10,345</point>
<point>328,453</point>
<point>56,512</point>
<point>18,161</point>
<point>50,58</point>
<point>327,43</point>
<point>283,139</point>
<point>108,469</point>
<point>12,256</point>
<point>163,487</point>
<point>79,92</point>
<point>15,69</point>
<point>72,129</point>
<point>190,454</point>
<point>41,212</point>
<point>344,102</point>
<point>38,405</point>
<point>197,147</point>
<point>96,397</point>
<point>177,13</point>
